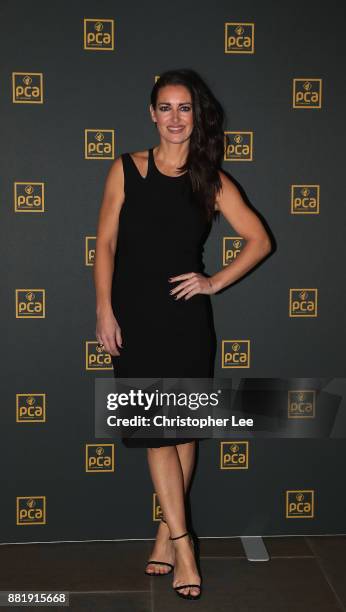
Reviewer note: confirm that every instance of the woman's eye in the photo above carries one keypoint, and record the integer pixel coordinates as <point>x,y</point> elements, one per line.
<point>183,108</point>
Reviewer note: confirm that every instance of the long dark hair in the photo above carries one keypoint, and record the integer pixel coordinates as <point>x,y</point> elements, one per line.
<point>206,149</point>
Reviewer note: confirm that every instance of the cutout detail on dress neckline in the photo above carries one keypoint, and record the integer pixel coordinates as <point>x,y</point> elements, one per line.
<point>135,165</point>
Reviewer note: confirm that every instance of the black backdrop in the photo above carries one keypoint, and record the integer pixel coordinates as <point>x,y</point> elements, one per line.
<point>44,248</point>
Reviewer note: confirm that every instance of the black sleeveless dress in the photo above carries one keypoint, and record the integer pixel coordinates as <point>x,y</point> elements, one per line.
<point>161,234</point>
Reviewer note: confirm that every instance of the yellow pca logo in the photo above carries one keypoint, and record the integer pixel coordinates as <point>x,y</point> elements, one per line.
<point>300,504</point>
<point>99,457</point>
<point>303,303</point>
<point>31,510</point>
<point>30,407</point>
<point>307,93</point>
<point>30,303</point>
<point>98,34</point>
<point>99,144</point>
<point>27,87</point>
<point>28,197</point>
<point>96,358</point>
<point>301,404</point>
<point>90,250</point>
<point>305,199</point>
<point>234,455</point>
<point>238,146</point>
<point>157,510</point>
<point>239,37</point>
<point>231,248</point>
<point>235,354</point>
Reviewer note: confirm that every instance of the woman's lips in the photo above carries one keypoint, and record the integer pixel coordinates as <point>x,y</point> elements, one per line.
<point>175,129</point>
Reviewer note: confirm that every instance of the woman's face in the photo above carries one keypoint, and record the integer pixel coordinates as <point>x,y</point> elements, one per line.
<point>173,114</point>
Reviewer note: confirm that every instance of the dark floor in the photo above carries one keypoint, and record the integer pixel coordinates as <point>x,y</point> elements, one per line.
<point>303,574</point>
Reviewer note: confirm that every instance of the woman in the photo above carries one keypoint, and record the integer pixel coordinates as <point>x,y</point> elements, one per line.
<point>153,305</point>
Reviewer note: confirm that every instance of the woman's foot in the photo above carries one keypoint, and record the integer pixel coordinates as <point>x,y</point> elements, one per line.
<point>163,550</point>
<point>185,570</point>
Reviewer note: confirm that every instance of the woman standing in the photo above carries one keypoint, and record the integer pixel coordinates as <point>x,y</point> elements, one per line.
<point>153,307</point>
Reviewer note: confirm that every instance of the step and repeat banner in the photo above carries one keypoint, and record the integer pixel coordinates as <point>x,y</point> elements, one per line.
<point>75,94</point>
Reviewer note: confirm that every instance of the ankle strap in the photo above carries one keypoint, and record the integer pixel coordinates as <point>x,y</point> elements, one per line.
<point>181,536</point>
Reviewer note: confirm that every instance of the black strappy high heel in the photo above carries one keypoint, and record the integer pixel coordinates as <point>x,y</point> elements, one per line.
<point>184,586</point>
<point>160,563</point>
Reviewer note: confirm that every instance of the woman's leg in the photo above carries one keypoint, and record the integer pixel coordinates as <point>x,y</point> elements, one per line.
<point>164,461</point>
<point>171,469</point>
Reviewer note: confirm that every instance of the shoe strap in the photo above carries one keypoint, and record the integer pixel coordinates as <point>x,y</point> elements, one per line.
<point>181,536</point>
<point>160,563</point>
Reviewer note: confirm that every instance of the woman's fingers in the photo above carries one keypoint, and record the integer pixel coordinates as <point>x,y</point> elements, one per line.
<point>118,337</point>
<point>195,283</point>
<point>111,344</point>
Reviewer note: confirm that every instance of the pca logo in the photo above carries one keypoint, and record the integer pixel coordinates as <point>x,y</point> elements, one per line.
<point>27,87</point>
<point>90,249</point>
<point>303,303</point>
<point>30,303</point>
<point>300,504</point>
<point>31,510</point>
<point>238,146</point>
<point>239,37</point>
<point>301,404</point>
<point>99,457</point>
<point>307,93</point>
<point>99,34</point>
<point>157,510</point>
<point>96,358</point>
<point>305,199</point>
<point>30,407</point>
<point>231,248</point>
<point>234,455</point>
<point>235,354</point>
<point>99,144</point>
<point>28,197</point>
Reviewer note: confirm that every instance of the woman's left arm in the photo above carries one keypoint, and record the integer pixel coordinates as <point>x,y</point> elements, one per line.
<point>246,224</point>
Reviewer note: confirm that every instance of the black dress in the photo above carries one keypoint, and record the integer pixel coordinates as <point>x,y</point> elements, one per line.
<point>161,234</point>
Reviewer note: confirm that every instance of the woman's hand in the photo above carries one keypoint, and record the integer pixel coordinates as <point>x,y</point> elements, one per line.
<point>108,332</point>
<point>194,283</point>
